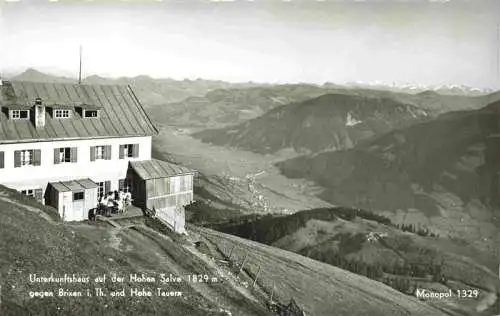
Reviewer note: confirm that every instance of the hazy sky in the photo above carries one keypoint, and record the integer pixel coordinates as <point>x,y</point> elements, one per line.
<point>263,40</point>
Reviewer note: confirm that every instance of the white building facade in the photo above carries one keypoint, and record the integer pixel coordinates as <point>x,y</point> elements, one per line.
<point>50,168</point>
<point>69,136</point>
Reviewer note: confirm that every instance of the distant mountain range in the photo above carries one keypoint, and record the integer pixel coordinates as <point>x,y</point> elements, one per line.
<point>328,122</point>
<point>224,107</point>
<point>214,104</point>
<point>150,91</point>
<point>414,88</point>
<point>231,106</point>
<point>433,173</point>
<point>444,89</point>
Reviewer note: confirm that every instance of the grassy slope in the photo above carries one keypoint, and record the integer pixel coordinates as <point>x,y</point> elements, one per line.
<point>320,289</point>
<point>323,235</point>
<point>317,228</point>
<point>30,244</point>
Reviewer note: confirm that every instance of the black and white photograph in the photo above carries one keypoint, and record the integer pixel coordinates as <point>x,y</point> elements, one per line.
<point>250,157</point>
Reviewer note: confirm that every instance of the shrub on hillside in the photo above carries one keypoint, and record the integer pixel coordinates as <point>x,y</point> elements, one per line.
<point>30,201</point>
<point>202,213</point>
<point>269,228</point>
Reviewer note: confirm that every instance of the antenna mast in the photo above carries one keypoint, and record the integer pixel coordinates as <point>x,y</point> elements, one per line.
<point>498,55</point>
<point>80,72</point>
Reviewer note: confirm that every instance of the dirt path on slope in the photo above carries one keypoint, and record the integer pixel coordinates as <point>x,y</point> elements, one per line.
<point>215,293</point>
<point>4,197</point>
<point>224,270</point>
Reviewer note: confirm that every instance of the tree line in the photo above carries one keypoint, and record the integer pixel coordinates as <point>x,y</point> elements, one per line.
<point>425,232</point>
<point>397,275</point>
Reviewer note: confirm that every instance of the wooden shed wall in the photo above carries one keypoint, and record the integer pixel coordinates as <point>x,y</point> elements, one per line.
<point>171,201</point>
<point>51,197</point>
<point>161,192</point>
<point>169,192</point>
<point>157,187</point>
<point>173,217</point>
<point>168,186</point>
<point>138,188</point>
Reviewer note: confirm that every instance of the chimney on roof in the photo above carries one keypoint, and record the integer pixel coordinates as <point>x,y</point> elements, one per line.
<point>39,113</point>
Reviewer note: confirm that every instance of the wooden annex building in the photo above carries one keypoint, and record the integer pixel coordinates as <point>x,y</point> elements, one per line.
<point>164,188</point>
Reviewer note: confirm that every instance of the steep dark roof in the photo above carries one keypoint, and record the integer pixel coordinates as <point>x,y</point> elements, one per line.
<point>121,112</point>
<point>154,169</point>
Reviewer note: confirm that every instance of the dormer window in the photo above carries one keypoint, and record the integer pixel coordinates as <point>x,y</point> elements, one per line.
<point>61,114</point>
<point>90,113</point>
<point>19,114</point>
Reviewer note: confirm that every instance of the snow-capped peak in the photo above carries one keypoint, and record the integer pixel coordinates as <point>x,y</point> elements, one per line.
<point>455,89</point>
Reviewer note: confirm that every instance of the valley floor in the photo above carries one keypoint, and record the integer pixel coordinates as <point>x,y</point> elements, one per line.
<point>250,180</point>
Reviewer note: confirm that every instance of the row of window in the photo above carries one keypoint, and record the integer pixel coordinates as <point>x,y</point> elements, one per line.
<point>36,193</point>
<point>171,185</point>
<point>32,157</point>
<point>59,113</point>
<point>103,188</point>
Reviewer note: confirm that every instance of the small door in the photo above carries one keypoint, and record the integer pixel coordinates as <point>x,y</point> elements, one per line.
<point>65,207</point>
<point>79,205</point>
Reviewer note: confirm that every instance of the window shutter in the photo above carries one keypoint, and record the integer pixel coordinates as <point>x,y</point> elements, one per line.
<point>73,154</point>
<point>135,150</point>
<point>92,153</point>
<point>37,157</point>
<point>17,159</point>
<point>121,184</point>
<point>107,152</point>
<point>39,195</point>
<point>56,156</point>
<point>107,187</point>
<point>2,158</point>
<point>122,147</point>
